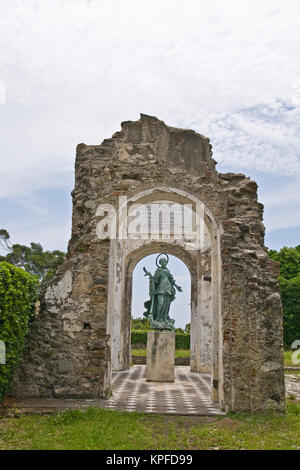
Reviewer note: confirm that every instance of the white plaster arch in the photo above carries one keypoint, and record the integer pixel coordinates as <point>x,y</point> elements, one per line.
<point>124,256</point>
<point>176,195</point>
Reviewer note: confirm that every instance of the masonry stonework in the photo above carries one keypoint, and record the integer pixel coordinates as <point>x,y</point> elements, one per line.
<point>83,328</point>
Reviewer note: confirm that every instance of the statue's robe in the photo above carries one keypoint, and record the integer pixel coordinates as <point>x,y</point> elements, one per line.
<point>161,284</point>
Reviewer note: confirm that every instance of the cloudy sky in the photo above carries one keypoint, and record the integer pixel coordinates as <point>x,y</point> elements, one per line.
<point>72,70</point>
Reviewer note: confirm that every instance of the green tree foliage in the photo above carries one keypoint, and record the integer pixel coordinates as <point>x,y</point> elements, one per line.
<point>289,280</point>
<point>18,296</point>
<point>179,330</point>
<point>140,324</point>
<point>144,324</point>
<point>4,239</point>
<point>33,258</point>
<point>289,259</point>
<point>182,341</point>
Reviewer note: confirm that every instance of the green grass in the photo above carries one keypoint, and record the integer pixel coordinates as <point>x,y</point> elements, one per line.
<point>113,430</point>
<point>288,359</point>
<point>101,429</point>
<point>186,353</point>
<point>178,352</point>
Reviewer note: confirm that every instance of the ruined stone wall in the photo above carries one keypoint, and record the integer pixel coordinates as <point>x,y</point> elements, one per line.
<point>251,305</point>
<point>68,348</point>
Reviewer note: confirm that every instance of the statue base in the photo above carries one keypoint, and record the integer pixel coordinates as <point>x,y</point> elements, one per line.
<point>160,356</point>
<point>157,325</point>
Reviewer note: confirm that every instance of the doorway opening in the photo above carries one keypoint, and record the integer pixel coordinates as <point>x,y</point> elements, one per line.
<point>180,309</point>
<point>203,262</point>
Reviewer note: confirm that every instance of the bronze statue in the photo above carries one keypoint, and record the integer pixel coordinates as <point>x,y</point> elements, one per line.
<point>162,292</point>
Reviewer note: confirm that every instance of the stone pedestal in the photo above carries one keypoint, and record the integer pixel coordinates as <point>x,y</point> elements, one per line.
<point>160,356</point>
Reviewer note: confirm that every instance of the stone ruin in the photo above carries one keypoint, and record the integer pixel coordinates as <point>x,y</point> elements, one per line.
<point>82,332</point>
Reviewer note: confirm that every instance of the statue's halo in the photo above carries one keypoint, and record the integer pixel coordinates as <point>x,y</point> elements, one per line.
<point>161,254</point>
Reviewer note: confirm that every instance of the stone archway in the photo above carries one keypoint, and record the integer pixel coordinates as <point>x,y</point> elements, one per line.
<point>72,347</point>
<point>205,282</point>
<point>180,308</point>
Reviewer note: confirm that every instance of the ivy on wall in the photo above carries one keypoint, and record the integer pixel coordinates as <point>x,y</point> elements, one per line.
<point>18,296</point>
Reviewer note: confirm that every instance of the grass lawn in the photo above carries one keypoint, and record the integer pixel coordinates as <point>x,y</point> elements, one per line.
<point>113,430</point>
<point>186,353</point>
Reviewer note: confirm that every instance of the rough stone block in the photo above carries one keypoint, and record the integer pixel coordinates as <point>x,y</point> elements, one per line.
<point>160,356</point>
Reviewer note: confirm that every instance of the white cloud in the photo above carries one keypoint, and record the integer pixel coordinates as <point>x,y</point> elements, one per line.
<point>75,69</point>
<point>264,138</point>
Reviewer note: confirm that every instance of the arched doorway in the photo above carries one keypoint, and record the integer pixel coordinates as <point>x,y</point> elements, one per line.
<point>180,309</point>
<point>204,266</point>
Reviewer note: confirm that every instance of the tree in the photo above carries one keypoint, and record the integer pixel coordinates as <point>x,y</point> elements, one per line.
<point>289,281</point>
<point>289,259</point>
<point>187,329</point>
<point>4,239</point>
<point>33,258</point>
<point>179,330</point>
<point>140,324</point>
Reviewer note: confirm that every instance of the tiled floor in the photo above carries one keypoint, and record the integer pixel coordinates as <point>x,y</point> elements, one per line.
<point>188,395</point>
<point>292,385</point>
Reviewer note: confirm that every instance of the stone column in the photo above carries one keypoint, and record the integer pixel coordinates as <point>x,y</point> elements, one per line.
<point>160,356</point>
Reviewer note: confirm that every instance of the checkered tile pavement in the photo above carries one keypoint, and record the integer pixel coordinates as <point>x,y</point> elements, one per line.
<point>188,395</point>
<point>292,385</point>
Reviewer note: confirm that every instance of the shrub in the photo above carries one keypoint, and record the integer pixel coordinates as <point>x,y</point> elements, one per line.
<point>18,295</point>
<point>182,340</point>
<point>139,337</point>
<point>290,296</point>
<point>140,324</point>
